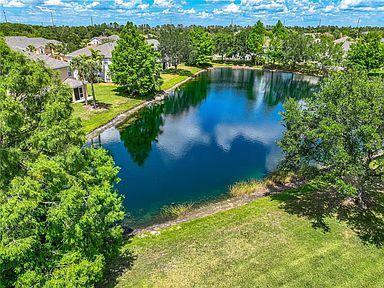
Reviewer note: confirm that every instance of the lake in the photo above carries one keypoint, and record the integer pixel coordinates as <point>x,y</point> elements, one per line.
<point>213,131</point>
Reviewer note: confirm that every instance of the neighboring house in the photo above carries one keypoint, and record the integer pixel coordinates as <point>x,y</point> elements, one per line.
<point>346,43</point>
<point>22,43</point>
<point>95,41</point>
<point>62,68</point>
<point>155,44</point>
<point>105,51</point>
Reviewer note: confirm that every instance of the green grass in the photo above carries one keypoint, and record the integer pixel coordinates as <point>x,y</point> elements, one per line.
<point>112,103</point>
<point>271,242</point>
<point>171,77</point>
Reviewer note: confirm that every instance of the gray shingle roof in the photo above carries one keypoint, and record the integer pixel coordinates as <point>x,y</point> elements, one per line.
<point>73,83</point>
<point>105,50</point>
<point>49,61</point>
<point>22,42</point>
<point>155,43</point>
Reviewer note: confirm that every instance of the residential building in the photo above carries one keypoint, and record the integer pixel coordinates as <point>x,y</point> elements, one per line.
<point>105,51</point>
<point>42,53</point>
<point>346,43</point>
<point>95,41</point>
<point>22,43</point>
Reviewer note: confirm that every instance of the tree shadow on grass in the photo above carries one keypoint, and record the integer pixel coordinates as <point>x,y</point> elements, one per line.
<point>317,204</point>
<point>180,72</point>
<point>118,266</point>
<point>120,91</point>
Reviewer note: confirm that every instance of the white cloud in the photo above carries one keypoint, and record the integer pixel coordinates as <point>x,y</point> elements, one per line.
<point>232,8</point>
<point>54,3</point>
<point>163,3</point>
<point>348,3</point>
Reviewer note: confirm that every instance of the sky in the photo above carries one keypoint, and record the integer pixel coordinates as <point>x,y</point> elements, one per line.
<point>199,12</point>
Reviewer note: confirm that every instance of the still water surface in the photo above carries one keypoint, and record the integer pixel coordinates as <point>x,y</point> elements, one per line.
<point>217,129</point>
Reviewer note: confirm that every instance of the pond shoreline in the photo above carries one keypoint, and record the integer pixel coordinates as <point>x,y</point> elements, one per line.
<point>162,94</point>
<point>217,207</point>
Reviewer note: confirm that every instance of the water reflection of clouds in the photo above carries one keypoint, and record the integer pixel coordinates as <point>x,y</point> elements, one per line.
<point>225,134</point>
<point>181,134</point>
<point>110,136</point>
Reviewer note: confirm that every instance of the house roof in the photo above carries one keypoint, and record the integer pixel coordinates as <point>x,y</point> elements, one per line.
<point>105,50</point>
<point>154,42</point>
<point>49,61</point>
<point>22,42</point>
<point>73,83</point>
<point>346,43</point>
<point>107,38</point>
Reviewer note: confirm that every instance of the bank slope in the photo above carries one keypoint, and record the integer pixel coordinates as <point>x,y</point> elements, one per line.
<point>262,244</point>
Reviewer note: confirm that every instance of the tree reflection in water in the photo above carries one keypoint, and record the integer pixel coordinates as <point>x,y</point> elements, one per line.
<point>139,134</point>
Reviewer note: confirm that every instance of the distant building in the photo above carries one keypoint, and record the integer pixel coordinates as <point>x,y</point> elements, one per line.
<point>42,53</point>
<point>346,43</point>
<point>155,44</point>
<point>95,41</point>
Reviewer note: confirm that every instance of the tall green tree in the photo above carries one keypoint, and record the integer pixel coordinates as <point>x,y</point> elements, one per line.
<point>275,51</point>
<point>173,45</point>
<point>201,46</point>
<point>134,63</point>
<point>224,42</point>
<point>255,41</point>
<point>368,53</point>
<point>340,130</point>
<point>297,48</point>
<point>58,209</point>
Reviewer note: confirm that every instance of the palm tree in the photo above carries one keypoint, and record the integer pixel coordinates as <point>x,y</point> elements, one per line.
<point>31,48</point>
<point>79,64</point>
<point>94,66</point>
<point>51,47</point>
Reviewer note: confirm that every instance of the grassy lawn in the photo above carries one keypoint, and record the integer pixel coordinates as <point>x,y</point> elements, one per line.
<point>113,102</point>
<point>172,77</point>
<point>271,242</point>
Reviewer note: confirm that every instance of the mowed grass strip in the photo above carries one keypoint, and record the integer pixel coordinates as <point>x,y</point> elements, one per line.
<point>257,245</point>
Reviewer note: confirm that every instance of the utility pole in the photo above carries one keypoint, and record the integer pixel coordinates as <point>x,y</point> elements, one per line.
<point>53,23</point>
<point>358,23</point>
<point>5,15</point>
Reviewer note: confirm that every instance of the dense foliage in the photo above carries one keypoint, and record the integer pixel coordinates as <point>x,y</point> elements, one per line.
<point>341,131</point>
<point>173,45</point>
<point>134,63</point>
<point>368,53</point>
<point>201,46</point>
<point>58,209</point>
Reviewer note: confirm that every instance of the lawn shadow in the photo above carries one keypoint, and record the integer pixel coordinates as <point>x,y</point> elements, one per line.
<point>317,204</point>
<point>120,91</point>
<point>180,72</point>
<point>118,266</point>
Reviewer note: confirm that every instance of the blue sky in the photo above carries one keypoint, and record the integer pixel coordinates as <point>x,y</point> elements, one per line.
<point>202,12</point>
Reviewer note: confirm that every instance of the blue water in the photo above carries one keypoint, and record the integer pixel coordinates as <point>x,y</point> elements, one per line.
<point>217,129</point>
